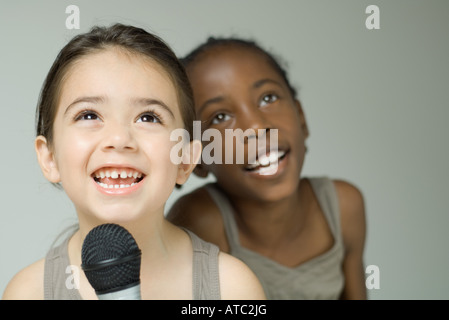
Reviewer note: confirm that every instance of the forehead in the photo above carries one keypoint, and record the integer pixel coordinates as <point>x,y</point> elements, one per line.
<point>116,73</point>
<point>237,59</point>
<point>112,60</point>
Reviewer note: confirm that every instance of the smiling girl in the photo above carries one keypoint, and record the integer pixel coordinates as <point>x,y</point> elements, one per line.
<point>104,118</point>
<point>302,236</point>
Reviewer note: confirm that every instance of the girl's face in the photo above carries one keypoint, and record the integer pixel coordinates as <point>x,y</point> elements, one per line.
<point>111,148</point>
<point>236,88</point>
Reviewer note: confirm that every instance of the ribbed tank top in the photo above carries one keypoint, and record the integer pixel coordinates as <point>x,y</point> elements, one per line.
<point>319,278</point>
<point>206,284</point>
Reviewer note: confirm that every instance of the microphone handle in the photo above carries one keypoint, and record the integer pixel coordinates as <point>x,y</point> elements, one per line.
<point>132,293</point>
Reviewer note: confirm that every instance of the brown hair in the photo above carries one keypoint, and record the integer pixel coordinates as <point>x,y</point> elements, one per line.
<point>132,39</point>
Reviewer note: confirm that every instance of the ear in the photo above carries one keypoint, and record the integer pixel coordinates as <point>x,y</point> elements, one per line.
<point>190,156</point>
<point>302,119</point>
<point>46,160</point>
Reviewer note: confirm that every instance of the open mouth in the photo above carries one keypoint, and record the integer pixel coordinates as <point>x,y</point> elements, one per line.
<point>117,178</point>
<point>270,159</point>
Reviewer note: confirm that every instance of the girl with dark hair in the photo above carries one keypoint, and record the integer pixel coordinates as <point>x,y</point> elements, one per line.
<point>104,120</point>
<point>302,236</point>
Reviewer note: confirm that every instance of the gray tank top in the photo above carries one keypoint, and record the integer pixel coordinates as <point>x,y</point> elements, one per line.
<point>319,278</point>
<point>58,279</point>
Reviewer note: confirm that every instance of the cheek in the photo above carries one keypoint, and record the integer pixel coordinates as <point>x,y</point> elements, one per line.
<point>158,150</point>
<point>72,152</point>
<point>162,171</point>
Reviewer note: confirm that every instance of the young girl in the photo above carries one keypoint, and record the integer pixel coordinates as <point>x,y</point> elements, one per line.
<point>303,237</point>
<point>106,111</point>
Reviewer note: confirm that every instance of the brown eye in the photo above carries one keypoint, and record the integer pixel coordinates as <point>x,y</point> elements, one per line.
<point>87,115</point>
<point>149,117</point>
<point>219,118</point>
<point>268,99</point>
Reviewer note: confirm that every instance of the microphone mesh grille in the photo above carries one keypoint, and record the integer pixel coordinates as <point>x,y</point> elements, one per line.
<point>105,242</point>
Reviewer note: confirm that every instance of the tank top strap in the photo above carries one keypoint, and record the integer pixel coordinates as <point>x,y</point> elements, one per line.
<point>227,213</point>
<point>206,279</point>
<point>57,274</point>
<point>326,194</point>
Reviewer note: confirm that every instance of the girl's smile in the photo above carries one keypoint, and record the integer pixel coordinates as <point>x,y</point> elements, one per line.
<point>268,166</point>
<point>115,180</point>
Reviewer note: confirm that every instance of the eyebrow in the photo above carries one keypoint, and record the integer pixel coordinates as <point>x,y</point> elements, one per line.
<point>151,101</point>
<point>95,100</point>
<point>137,101</point>
<point>260,83</point>
<point>208,102</point>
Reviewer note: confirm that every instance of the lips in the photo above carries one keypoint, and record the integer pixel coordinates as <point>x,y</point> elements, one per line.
<point>117,178</point>
<point>266,160</point>
<point>267,163</point>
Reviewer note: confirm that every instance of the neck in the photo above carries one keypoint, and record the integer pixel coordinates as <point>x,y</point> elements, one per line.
<point>160,243</point>
<point>152,234</point>
<point>269,222</point>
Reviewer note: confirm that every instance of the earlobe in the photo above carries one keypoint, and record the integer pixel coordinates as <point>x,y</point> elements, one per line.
<point>190,157</point>
<point>46,160</point>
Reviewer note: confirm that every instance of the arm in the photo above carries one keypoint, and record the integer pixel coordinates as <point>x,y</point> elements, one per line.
<point>353,225</point>
<point>237,281</point>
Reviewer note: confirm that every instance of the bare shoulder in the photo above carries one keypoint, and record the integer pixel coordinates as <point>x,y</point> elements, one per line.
<point>189,207</point>
<point>27,284</point>
<point>237,280</point>
<point>353,228</point>
<point>197,212</point>
<point>349,195</point>
<point>352,212</point>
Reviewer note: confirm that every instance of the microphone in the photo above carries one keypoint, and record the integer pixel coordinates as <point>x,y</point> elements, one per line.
<point>111,261</point>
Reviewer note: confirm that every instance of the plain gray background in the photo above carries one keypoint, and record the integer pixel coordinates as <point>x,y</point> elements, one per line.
<point>376,102</point>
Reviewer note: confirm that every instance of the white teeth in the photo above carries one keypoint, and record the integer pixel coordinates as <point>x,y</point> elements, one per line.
<point>116,186</point>
<point>116,174</point>
<point>264,161</point>
<point>269,170</point>
<point>274,156</point>
<point>267,160</point>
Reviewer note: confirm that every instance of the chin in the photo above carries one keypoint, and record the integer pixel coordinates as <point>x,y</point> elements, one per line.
<point>275,193</point>
<point>262,191</point>
<point>119,213</point>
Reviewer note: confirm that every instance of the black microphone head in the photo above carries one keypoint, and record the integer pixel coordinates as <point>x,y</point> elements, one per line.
<point>111,258</point>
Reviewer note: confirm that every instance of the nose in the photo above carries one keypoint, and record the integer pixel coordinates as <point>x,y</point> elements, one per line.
<point>119,137</point>
<point>254,119</point>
